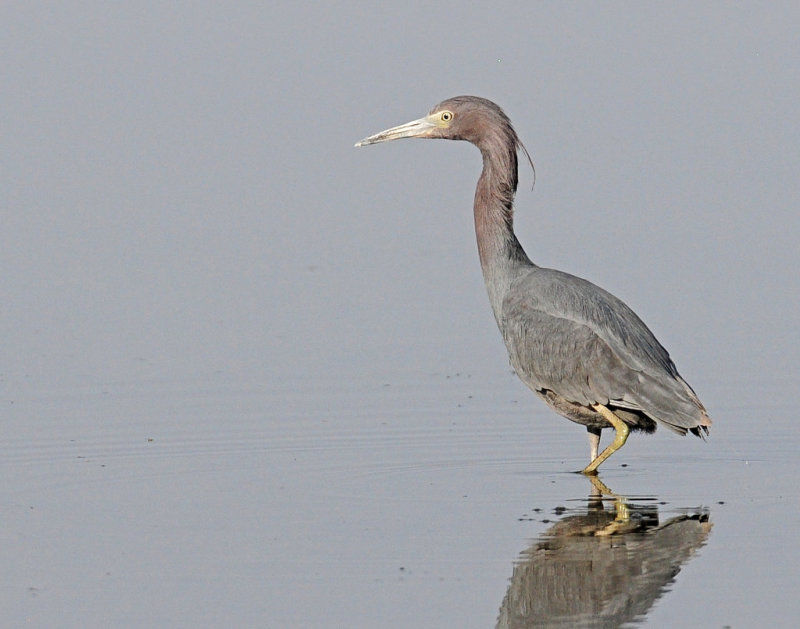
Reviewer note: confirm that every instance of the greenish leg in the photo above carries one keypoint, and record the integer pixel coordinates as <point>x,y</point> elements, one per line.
<point>622,515</point>
<point>600,489</point>
<point>621,436</point>
<point>594,442</point>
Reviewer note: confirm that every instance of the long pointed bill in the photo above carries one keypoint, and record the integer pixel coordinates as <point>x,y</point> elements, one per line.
<point>414,129</point>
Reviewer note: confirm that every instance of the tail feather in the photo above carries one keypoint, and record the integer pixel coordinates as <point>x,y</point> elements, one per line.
<point>675,405</point>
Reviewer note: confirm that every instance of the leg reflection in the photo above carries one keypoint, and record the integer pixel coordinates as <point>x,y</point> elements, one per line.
<point>600,566</point>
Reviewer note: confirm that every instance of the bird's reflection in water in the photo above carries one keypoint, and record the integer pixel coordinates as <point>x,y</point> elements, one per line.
<point>600,566</point>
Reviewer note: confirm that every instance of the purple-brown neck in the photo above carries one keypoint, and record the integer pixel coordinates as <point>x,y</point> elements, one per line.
<point>500,253</point>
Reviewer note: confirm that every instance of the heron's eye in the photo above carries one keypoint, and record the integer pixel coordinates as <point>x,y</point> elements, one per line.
<point>446,116</point>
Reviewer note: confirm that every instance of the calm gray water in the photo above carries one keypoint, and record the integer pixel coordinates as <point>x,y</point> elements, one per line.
<point>415,501</point>
<point>249,376</point>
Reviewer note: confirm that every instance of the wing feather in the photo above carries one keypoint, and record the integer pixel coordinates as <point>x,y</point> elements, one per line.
<point>567,335</point>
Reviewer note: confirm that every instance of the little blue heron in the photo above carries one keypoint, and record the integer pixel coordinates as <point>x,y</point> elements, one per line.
<point>579,348</point>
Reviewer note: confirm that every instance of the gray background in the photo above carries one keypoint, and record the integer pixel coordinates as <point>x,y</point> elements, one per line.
<point>184,215</point>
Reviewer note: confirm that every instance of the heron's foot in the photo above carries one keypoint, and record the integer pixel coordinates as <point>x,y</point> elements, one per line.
<point>620,438</point>
<point>600,488</point>
<point>621,521</point>
<point>622,515</point>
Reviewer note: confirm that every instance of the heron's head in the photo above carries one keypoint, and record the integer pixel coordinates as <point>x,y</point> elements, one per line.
<point>469,118</point>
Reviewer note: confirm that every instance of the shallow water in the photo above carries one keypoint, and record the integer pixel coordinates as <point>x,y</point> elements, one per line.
<point>395,502</point>
<point>229,340</point>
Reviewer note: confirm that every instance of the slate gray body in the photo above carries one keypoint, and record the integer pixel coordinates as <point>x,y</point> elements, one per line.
<point>577,345</point>
<point>582,350</point>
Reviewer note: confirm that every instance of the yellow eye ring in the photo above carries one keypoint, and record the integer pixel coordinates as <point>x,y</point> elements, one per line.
<point>446,116</point>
